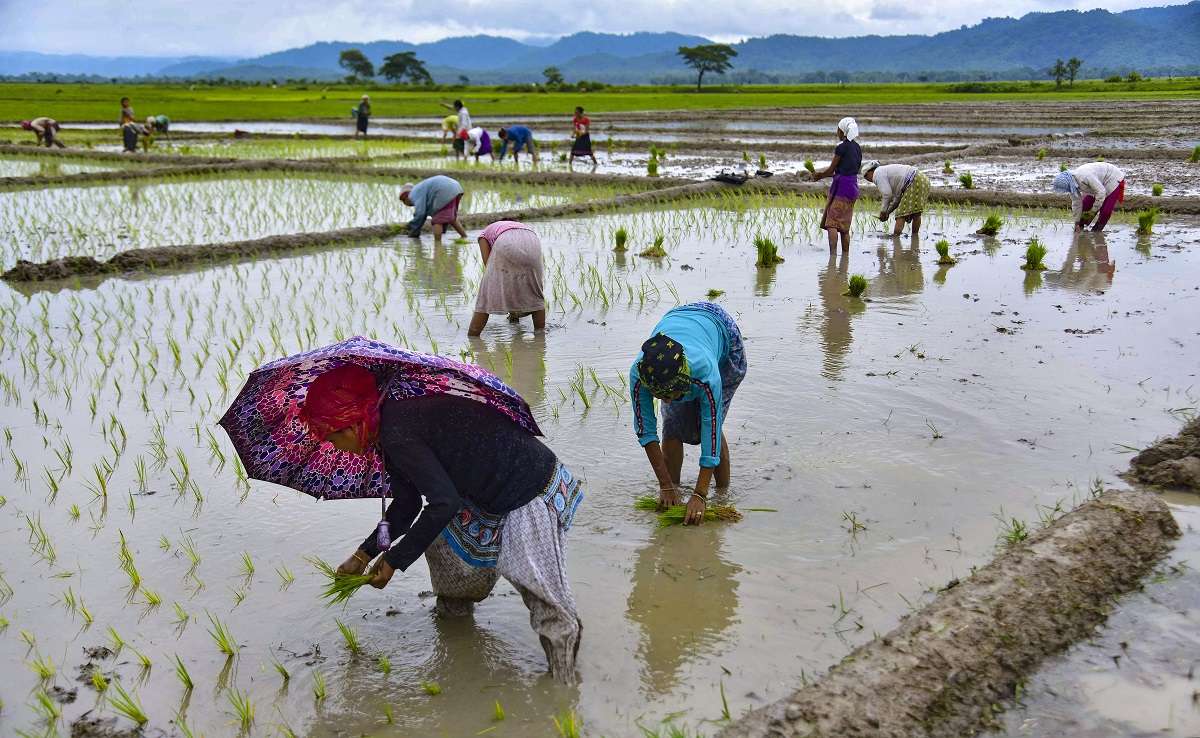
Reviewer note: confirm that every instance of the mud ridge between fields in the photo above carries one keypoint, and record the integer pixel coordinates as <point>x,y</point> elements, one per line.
<point>163,257</point>
<point>1172,462</point>
<point>943,671</point>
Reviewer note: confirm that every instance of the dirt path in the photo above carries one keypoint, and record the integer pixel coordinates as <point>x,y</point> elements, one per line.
<point>942,672</point>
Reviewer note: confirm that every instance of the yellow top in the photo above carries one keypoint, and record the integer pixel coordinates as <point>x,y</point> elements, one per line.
<point>450,123</point>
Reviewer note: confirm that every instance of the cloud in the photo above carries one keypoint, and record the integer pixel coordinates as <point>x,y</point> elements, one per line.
<point>242,28</point>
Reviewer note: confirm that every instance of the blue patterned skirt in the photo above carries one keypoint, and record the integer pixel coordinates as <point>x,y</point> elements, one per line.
<point>476,535</point>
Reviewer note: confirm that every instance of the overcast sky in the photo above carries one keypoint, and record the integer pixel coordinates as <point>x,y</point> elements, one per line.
<point>250,27</point>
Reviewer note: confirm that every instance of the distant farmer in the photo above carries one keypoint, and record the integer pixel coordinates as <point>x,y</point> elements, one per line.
<point>903,191</point>
<point>130,133</point>
<point>512,276</point>
<point>479,143</point>
<point>520,137</point>
<point>156,124</point>
<point>464,115</point>
<point>581,131</point>
<point>1089,184</point>
<point>449,127</point>
<point>693,362</point>
<point>839,208</point>
<point>127,115</point>
<point>439,197</point>
<point>474,491</point>
<point>46,130</point>
<point>362,115</point>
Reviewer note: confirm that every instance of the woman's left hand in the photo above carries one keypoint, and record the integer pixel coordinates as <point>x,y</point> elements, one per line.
<point>381,574</point>
<point>695,510</point>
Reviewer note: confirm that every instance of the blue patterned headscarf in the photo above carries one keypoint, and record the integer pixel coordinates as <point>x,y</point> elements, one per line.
<point>1065,182</point>
<point>664,368</point>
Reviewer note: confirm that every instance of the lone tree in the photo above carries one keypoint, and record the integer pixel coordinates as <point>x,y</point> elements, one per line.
<point>1073,65</point>
<point>1058,72</point>
<point>356,63</point>
<point>406,65</point>
<point>553,77</point>
<point>707,58</point>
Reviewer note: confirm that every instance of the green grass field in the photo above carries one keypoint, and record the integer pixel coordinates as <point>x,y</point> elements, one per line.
<point>92,102</point>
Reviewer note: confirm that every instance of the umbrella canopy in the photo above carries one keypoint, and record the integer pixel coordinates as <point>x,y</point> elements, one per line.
<point>275,445</point>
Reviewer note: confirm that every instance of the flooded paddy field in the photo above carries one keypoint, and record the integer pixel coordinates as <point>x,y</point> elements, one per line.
<point>15,166</point>
<point>102,219</point>
<point>896,438</point>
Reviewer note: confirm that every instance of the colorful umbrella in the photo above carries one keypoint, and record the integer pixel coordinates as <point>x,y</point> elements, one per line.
<point>275,444</point>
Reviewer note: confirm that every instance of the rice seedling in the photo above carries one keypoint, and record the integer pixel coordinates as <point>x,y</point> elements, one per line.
<point>714,293</point>
<point>1063,167</point>
<point>809,166</point>
<point>1034,253</point>
<point>1146,220</point>
<point>116,643</point>
<point>768,252</point>
<point>655,251</point>
<point>284,675</point>
<point>44,668</point>
<point>1012,530</point>
<point>675,514</point>
<point>652,164</point>
<point>568,725</point>
<point>181,671</point>
<point>1156,189</point>
<point>188,546</point>
<point>432,689</point>
<point>725,715</point>
<point>338,587</point>
<point>127,705</point>
<point>286,577</point>
<point>762,162</point>
<point>947,168</point>
<point>181,616</point>
<point>856,286</point>
<point>389,716</point>
<point>45,706</point>
<point>497,711</point>
<point>852,525</point>
<point>243,707</point>
<point>943,249</point>
<point>1041,154</point>
<point>967,181</point>
<point>151,598</point>
<point>319,691</point>
<point>99,683</point>
<point>385,665</point>
<point>348,635</point>
<point>991,224</point>
<point>143,660</point>
<point>247,565</point>
<point>620,237</point>
<point>1195,157</point>
<point>225,641</point>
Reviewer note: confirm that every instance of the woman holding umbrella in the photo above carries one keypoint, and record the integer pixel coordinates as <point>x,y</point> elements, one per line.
<point>362,418</point>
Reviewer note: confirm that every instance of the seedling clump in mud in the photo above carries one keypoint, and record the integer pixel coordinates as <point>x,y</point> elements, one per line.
<point>768,252</point>
<point>621,236</point>
<point>1146,220</point>
<point>857,286</point>
<point>1034,253</point>
<point>943,249</point>
<point>991,225</point>
<point>656,251</point>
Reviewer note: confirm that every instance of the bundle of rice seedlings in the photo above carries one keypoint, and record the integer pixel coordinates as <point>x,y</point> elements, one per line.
<point>991,225</point>
<point>1146,220</point>
<point>1062,167</point>
<point>656,251</point>
<point>1041,154</point>
<point>967,181</point>
<point>943,249</point>
<point>338,587</point>
<point>714,293</point>
<point>1195,157</point>
<point>768,252</point>
<point>621,236</point>
<point>675,514</point>
<point>1034,253</point>
<point>652,164</point>
<point>1156,189</point>
<point>856,286</point>
<point>947,168</point>
<point>808,165</point>
<point>762,162</point>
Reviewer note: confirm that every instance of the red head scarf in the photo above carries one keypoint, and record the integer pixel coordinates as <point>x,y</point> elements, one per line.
<point>344,397</point>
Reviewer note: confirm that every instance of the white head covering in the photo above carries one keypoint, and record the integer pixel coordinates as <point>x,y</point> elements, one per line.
<point>868,166</point>
<point>849,127</point>
<point>366,97</point>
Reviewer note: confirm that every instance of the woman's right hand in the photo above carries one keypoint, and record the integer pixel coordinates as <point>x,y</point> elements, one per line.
<point>668,497</point>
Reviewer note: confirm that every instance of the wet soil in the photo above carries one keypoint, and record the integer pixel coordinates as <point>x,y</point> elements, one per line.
<point>940,672</point>
<point>1171,463</point>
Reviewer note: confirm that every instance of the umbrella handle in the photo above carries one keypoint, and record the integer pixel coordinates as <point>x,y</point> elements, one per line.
<point>383,532</point>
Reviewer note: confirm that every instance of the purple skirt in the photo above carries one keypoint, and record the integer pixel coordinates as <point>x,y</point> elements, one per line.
<point>845,186</point>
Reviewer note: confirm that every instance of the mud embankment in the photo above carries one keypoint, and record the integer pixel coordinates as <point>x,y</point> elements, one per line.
<point>167,257</point>
<point>943,672</point>
<point>1173,462</point>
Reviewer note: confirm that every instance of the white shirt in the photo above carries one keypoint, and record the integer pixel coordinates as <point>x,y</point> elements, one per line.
<point>890,178</point>
<point>1098,179</point>
<point>475,137</point>
<point>464,119</point>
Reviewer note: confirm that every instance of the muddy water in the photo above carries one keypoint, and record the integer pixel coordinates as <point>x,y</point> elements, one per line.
<point>837,418</point>
<point>1178,178</point>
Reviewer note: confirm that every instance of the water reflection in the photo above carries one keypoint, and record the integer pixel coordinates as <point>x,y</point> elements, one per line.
<point>684,598</point>
<point>1087,267</point>
<point>899,269</point>
<point>764,280</point>
<point>520,361</point>
<point>835,318</point>
<point>433,269</point>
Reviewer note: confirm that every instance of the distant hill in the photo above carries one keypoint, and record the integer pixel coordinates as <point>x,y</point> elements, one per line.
<point>1152,40</point>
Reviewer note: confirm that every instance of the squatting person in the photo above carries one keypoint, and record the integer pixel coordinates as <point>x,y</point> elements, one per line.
<point>46,130</point>
<point>438,198</point>
<point>479,143</point>
<point>498,501</point>
<point>693,362</point>
<point>903,191</point>
<point>512,276</point>
<point>1089,184</point>
<point>839,208</point>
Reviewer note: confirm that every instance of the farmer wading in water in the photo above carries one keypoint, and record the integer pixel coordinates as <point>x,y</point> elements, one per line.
<point>498,501</point>
<point>693,362</point>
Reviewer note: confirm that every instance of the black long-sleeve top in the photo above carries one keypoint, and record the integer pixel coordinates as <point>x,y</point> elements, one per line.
<point>446,448</point>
